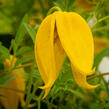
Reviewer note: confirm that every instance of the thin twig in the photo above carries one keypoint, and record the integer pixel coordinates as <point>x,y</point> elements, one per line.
<point>100,20</point>
<point>101,28</point>
<point>18,67</point>
<point>25,65</point>
<point>97,75</point>
<point>28,99</point>
<point>104,18</point>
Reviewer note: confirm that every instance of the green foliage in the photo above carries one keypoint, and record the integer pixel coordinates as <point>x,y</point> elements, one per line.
<point>65,94</point>
<point>4,52</point>
<point>30,31</point>
<point>21,31</point>
<point>66,5</point>
<point>1,67</point>
<point>22,50</point>
<point>23,60</point>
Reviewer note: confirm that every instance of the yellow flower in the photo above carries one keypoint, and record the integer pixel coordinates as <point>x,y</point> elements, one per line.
<point>11,100</point>
<point>61,34</point>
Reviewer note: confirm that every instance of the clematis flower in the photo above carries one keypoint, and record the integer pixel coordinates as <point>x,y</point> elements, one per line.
<point>12,98</point>
<point>64,34</point>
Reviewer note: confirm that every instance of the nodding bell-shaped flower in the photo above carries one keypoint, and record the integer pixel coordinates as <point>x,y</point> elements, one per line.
<point>61,34</point>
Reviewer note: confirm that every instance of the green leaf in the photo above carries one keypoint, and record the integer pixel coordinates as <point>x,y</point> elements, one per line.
<point>1,66</point>
<point>65,107</point>
<point>100,106</point>
<point>21,31</point>
<point>76,93</point>
<point>99,57</point>
<point>23,60</point>
<point>4,51</point>
<point>14,46</point>
<point>30,31</point>
<point>23,50</point>
<point>35,75</point>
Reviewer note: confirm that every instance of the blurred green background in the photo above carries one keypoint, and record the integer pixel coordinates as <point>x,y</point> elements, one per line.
<point>65,94</point>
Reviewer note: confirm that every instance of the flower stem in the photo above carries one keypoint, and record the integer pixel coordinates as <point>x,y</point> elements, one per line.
<point>106,87</point>
<point>100,20</point>
<point>25,65</point>
<point>39,99</point>
<point>101,28</point>
<point>18,67</point>
<point>39,104</point>
<point>55,8</point>
<point>28,99</point>
<point>104,18</point>
<point>97,75</point>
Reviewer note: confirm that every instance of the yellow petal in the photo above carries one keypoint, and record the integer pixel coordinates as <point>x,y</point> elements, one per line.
<point>46,92</point>
<point>62,33</point>
<point>44,48</point>
<point>76,39</point>
<point>59,53</point>
<point>81,79</point>
<point>59,58</point>
<point>44,52</point>
<point>49,52</point>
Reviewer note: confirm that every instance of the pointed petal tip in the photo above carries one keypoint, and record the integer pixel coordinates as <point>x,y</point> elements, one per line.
<point>48,85</point>
<point>44,96</point>
<point>92,86</point>
<point>44,87</point>
<point>46,93</point>
<point>92,71</point>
